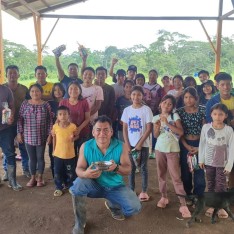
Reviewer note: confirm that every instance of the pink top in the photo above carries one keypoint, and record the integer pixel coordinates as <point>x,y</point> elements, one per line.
<point>77,113</point>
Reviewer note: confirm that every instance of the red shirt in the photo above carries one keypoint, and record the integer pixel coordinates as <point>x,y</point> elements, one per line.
<point>77,114</point>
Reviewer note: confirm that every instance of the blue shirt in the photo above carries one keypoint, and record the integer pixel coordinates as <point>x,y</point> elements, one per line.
<point>93,154</point>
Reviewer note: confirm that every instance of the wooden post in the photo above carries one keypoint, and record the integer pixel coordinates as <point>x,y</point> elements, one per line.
<point>218,38</point>
<point>1,49</point>
<point>37,28</point>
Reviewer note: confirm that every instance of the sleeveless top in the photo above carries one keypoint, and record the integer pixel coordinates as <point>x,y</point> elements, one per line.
<point>93,154</point>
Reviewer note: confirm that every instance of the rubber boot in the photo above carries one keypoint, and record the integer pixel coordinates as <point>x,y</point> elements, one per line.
<point>11,171</point>
<point>79,208</point>
<point>5,176</point>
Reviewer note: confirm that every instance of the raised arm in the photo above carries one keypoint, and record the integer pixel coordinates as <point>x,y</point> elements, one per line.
<point>113,62</point>
<point>59,69</point>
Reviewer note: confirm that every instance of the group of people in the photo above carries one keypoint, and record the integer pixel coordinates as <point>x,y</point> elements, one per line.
<point>187,127</point>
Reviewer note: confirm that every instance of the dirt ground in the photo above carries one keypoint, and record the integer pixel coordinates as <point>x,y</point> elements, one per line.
<point>36,211</point>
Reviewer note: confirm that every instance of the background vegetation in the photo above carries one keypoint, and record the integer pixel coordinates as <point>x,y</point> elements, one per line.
<point>171,53</point>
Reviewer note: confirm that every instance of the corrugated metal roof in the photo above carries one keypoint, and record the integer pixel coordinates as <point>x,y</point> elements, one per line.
<point>23,9</point>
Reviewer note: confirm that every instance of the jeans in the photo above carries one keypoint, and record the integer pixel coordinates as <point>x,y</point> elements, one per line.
<point>7,137</point>
<point>24,160</point>
<point>51,158</point>
<point>144,170</point>
<point>186,176</point>
<point>119,197</point>
<point>36,158</point>
<point>64,172</point>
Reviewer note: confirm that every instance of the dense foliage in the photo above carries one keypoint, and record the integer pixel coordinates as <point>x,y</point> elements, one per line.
<point>171,53</point>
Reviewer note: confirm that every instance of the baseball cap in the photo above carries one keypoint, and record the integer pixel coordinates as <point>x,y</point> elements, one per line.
<point>121,72</point>
<point>132,68</point>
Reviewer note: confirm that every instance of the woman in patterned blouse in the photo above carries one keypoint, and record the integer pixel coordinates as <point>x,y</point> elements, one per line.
<point>34,126</point>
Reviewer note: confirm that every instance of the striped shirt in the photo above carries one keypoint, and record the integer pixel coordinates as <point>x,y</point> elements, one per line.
<point>35,122</point>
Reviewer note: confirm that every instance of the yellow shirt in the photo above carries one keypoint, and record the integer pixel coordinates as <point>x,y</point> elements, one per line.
<point>64,146</point>
<point>47,88</point>
<point>229,103</point>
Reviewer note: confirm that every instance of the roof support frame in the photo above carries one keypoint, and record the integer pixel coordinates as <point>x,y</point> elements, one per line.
<point>1,48</point>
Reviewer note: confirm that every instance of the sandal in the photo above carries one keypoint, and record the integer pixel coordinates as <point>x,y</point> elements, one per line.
<point>163,202</point>
<point>31,183</point>
<point>185,212</point>
<point>209,212</point>
<point>143,197</point>
<point>40,183</point>
<point>222,214</point>
<point>58,193</point>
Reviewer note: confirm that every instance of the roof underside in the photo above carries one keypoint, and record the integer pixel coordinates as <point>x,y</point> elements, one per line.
<point>23,9</point>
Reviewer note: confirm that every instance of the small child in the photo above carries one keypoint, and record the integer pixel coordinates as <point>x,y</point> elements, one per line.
<point>215,153</point>
<point>136,130</point>
<point>167,130</point>
<point>64,153</point>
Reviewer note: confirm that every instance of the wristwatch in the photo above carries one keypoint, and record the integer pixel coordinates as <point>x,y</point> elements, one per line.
<point>116,168</point>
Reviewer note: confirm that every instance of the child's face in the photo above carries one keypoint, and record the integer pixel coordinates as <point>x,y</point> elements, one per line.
<point>127,88</point>
<point>140,81</point>
<point>203,77</point>
<point>177,83</point>
<point>74,91</point>
<point>166,106</point>
<point>73,71</point>
<point>218,116</point>
<point>189,100</point>
<point>120,79</point>
<point>58,93</point>
<point>136,97</point>
<point>166,82</point>
<point>88,77</point>
<point>35,93</point>
<point>63,116</point>
<point>152,77</point>
<point>131,74</point>
<point>207,89</point>
<point>224,87</point>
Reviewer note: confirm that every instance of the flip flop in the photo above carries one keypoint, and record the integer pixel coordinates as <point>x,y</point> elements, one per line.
<point>222,214</point>
<point>209,212</point>
<point>185,212</point>
<point>58,193</point>
<point>40,183</point>
<point>143,197</point>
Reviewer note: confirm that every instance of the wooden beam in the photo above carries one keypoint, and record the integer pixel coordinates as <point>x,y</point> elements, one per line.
<point>49,35</point>
<point>2,72</point>
<point>37,28</point>
<point>208,37</point>
<point>219,38</point>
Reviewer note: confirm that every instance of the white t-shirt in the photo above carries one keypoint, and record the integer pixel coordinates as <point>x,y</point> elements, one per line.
<point>167,141</point>
<point>136,119</point>
<point>92,94</point>
<point>216,147</point>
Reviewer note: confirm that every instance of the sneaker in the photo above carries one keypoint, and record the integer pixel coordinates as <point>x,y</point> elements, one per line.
<point>115,212</point>
<point>58,51</point>
<point>26,173</point>
<point>162,203</point>
<point>151,155</point>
